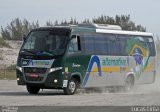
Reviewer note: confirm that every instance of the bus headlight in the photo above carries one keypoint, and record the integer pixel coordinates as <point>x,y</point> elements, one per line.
<point>55,69</point>
<point>19,68</point>
<point>55,80</point>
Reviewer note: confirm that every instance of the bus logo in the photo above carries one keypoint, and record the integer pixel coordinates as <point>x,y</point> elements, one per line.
<point>94,59</point>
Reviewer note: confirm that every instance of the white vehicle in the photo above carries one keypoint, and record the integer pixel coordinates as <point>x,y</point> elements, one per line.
<point>85,56</point>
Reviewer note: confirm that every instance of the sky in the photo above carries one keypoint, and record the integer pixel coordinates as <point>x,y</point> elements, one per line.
<point>144,12</point>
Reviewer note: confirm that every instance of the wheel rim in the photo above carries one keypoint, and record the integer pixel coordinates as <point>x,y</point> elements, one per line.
<point>72,86</point>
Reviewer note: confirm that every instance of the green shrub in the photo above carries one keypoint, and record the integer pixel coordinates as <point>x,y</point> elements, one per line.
<point>8,74</point>
<point>11,67</point>
<point>3,43</point>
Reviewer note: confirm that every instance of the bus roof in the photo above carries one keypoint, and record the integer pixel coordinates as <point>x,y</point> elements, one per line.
<point>98,28</point>
<point>124,32</point>
<point>111,29</point>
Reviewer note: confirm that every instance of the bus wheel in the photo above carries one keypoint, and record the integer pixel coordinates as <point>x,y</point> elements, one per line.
<point>33,89</point>
<point>129,83</point>
<point>71,87</point>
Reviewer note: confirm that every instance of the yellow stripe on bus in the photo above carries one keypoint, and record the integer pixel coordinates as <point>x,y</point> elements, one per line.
<point>149,67</point>
<point>107,69</point>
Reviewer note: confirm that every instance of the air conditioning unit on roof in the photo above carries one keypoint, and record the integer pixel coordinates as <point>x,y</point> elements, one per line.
<point>100,26</point>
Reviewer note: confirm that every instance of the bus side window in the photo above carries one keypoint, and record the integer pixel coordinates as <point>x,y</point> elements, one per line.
<point>122,41</point>
<point>74,45</point>
<point>112,46</point>
<point>150,45</point>
<point>100,44</point>
<point>87,44</point>
<point>151,48</point>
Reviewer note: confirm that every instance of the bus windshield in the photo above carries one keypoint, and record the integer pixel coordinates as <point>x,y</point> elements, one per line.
<point>45,42</point>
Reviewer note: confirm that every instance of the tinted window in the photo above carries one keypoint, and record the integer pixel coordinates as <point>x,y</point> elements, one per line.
<point>112,45</point>
<point>87,43</point>
<point>152,49</point>
<point>100,44</point>
<point>145,43</point>
<point>122,42</point>
<point>45,42</point>
<point>73,46</point>
<point>150,45</point>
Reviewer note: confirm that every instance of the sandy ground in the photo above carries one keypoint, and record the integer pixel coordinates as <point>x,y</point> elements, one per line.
<point>9,55</point>
<point>142,95</point>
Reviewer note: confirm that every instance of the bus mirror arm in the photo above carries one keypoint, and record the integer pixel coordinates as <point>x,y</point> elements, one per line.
<point>24,37</point>
<point>72,37</point>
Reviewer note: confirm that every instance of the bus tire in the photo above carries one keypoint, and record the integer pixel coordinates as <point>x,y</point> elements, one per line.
<point>71,87</point>
<point>129,84</point>
<point>32,89</point>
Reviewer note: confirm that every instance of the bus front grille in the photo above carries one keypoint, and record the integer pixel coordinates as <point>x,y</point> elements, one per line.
<point>35,70</point>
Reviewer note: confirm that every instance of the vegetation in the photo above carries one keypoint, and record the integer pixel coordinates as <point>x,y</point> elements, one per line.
<point>123,21</point>
<point>8,72</point>
<point>3,43</point>
<point>17,27</point>
<point>12,67</point>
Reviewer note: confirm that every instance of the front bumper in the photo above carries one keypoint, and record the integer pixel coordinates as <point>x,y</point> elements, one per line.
<point>45,81</point>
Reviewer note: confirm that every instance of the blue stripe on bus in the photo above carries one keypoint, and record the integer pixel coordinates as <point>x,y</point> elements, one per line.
<point>94,59</point>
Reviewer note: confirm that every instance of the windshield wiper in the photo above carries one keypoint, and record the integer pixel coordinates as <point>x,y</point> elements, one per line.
<point>28,51</point>
<point>44,53</point>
